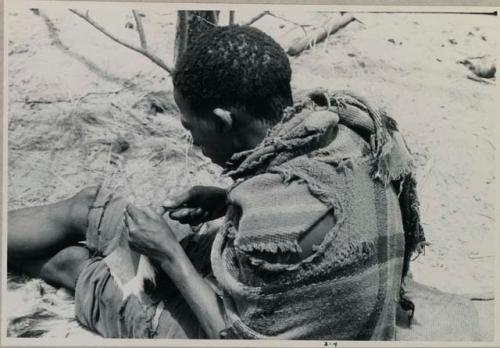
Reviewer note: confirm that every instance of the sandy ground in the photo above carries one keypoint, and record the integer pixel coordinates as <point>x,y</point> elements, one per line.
<point>75,97</point>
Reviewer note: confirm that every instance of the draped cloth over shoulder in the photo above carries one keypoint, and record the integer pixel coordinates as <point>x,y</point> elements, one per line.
<point>333,154</point>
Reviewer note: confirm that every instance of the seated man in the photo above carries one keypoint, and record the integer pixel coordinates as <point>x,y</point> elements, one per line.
<point>319,224</point>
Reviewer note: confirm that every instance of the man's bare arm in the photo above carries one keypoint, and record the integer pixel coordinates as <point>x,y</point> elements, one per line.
<point>150,235</point>
<point>202,299</point>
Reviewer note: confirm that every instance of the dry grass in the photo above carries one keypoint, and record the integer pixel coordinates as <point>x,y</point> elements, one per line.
<point>74,104</point>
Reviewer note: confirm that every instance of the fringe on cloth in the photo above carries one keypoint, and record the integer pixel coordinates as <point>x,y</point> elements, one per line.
<point>392,159</point>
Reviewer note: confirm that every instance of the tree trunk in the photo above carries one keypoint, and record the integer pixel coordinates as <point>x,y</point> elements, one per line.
<point>190,24</point>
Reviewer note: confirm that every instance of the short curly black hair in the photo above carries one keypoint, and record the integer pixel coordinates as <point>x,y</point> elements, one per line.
<point>235,66</point>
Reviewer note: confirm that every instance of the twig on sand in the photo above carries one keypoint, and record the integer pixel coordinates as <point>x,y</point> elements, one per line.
<point>331,27</point>
<point>479,79</point>
<point>256,18</point>
<point>487,216</point>
<point>475,57</point>
<point>61,179</point>
<point>140,29</point>
<point>485,296</point>
<point>482,298</point>
<point>67,100</point>
<point>492,298</point>
<point>479,257</point>
<point>155,59</point>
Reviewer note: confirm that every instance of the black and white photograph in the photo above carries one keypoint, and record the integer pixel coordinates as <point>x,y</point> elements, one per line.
<point>212,172</point>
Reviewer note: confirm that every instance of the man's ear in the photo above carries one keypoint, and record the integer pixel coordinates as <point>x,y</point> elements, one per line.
<point>224,118</point>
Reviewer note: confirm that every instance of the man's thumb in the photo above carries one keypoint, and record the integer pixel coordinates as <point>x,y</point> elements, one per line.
<point>177,201</point>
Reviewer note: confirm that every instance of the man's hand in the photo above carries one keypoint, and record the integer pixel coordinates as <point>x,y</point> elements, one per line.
<point>149,234</point>
<point>198,204</point>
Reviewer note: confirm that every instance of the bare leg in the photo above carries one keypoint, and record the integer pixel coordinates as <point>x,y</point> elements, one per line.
<point>43,230</point>
<point>41,240</point>
<point>60,269</point>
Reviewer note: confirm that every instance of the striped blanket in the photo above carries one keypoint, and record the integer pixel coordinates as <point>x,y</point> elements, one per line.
<point>330,155</point>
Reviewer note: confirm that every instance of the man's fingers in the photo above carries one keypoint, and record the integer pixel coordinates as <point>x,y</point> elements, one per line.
<point>129,222</point>
<point>151,212</point>
<point>192,216</point>
<point>159,211</point>
<point>184,214</point>
<point>135,213</point>
<point>196,212</point>
<point>181,213</point>
<point>177,201</point>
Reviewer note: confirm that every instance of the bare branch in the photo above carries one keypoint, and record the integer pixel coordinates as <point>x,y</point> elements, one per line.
<point>231,17</point>
<point>155,59</point>
<point>289,21</point>
<point>256,18</point>
<point>206,20</point>
<point>140,29</point>
<point>321,34</point>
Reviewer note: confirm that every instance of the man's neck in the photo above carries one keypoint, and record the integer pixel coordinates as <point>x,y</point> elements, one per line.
<point>250,135</point>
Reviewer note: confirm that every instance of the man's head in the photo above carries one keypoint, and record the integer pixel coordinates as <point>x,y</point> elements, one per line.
<point>231,85</point>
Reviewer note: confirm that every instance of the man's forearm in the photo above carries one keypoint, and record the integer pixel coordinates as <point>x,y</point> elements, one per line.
<point>198,294</point>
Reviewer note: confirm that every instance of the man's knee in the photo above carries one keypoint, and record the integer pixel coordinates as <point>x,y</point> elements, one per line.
<point>80,206</point>
<point>65,266</point>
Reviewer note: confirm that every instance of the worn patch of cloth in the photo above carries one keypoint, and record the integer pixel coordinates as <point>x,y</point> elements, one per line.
<point>303,131</point>
<point>278,229</point>
<point>341,158</point>
<point>99,306</point>
<point>119,296</point>
<point>107,236</point>
<point>162,312</point>
<point>105,222</point>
